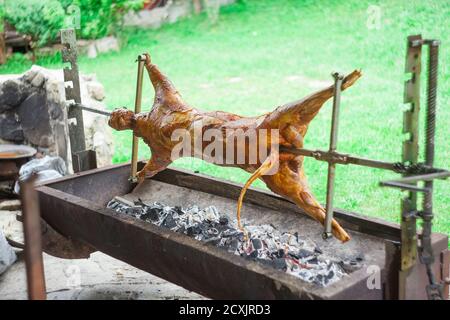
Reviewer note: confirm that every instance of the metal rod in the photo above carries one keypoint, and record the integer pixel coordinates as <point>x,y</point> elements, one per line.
<point>137,109</point>
<point>340,158</point>
<point>94,110</point>
<point>33,242</point>
<point>333,144</point>
<point>433,47</point>
<point>434,290</point>
<point>404,186</point>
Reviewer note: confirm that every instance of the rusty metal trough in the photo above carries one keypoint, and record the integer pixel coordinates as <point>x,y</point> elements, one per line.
<point>75,207</point>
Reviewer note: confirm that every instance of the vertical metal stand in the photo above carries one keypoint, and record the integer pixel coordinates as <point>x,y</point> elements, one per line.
<point>426,255</point>
<point>410,248</point>
<point>410,156</point>
<point>82,159</point>
<point>333,145</point>
<point>33,242</point>
<point>137,109</point>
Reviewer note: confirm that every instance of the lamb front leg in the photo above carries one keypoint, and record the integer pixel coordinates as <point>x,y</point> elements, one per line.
<point>152,167</point>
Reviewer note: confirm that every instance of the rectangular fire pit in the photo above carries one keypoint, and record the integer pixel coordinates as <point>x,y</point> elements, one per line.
<point>75,206</point>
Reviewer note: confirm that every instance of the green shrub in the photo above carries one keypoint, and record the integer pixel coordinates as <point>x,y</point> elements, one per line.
<point>100,18</point>
<point>42,19</point>
<point>38,18</point>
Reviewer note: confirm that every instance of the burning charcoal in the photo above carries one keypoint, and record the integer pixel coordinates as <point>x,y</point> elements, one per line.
<point>313,261</point>
<point>318,250</point>
<point>234,243</point>
<point>253,254</point>
<point>280,264</point>
<point>230,233</point>
<point>178,210</point>
<point>152,214</point>
<point>223,220</point>
<point>169,222</point>
<point>134,210</point>
<point>330,275</point>
<point>193,230</point>
<point>266,244</point>
<point>256,244</point>
<point>280,253</point>
<point>212,232</point>
<point>112,204</point>
<point>319,279</point>
<point>211,213</point>
<point>359,257</point>
<point>285,237</point>
<point>271,245</point>
<point>303,253</point>
<point>240,236</point>
<point>293,255</point>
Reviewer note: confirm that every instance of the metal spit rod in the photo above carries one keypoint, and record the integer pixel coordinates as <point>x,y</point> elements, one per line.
<point>328,156</point>
<point>94,110</point>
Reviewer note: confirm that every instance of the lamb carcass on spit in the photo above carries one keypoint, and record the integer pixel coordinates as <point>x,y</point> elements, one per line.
<point>170,112</point>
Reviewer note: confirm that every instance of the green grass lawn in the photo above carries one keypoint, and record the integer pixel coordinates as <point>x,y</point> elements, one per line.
<point>266,53</point>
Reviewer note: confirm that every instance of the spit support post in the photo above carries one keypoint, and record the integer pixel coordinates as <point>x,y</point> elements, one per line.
<point>137,109</point>
<point>33,240</point>
<point>82,159</point>
<point>411,248</point>
<point>333,145</point>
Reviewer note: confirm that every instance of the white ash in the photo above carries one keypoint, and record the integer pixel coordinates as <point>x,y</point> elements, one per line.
<point>265,244</point>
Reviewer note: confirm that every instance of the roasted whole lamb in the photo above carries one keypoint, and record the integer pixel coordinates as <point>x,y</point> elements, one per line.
<point>281,171</point>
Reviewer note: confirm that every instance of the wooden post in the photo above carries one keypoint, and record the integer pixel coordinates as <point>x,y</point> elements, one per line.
<point>197,6</point>
<point>2,48</point>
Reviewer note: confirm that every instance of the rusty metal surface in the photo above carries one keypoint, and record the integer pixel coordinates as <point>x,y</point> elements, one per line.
<point>55,244</point>
<point>33,242</point>
<point>72,207</point>
<point>174,257</point>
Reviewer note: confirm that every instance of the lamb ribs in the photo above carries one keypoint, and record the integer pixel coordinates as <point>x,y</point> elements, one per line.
<point>170,112</point>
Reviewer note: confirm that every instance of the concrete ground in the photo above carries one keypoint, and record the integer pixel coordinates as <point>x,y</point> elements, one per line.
<point>99,277</point>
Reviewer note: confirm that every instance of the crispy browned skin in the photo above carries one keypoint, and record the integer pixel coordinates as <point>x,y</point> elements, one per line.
<point>170,112</point>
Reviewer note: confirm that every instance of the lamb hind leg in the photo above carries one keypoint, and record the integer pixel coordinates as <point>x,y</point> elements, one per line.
<point>306,201</point>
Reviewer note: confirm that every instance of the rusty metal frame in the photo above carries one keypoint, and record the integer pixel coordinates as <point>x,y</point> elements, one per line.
<point>74,210</point>
<point>33,242</point>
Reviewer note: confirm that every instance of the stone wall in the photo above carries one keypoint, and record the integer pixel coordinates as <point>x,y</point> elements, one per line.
<point>33,111</point>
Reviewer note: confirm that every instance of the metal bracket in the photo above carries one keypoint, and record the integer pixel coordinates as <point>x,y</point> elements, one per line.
<point>82,159</point>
